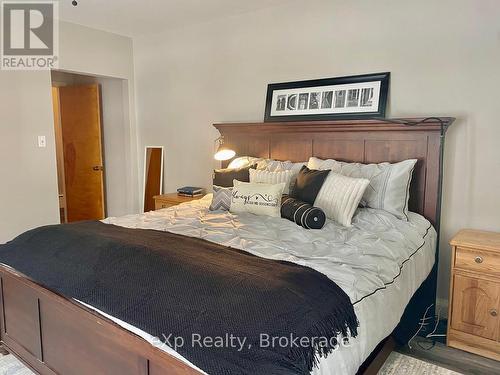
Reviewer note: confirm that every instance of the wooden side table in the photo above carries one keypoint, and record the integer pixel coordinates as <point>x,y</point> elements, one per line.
<point>172,199</point>
<point>474,316</point>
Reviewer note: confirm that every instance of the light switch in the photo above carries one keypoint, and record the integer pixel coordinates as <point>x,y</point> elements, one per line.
<point>42,142</point>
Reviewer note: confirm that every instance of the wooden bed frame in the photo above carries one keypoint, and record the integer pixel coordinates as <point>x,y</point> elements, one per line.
<point>55,335</point>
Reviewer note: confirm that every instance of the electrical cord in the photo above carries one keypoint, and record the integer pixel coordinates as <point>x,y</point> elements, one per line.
<point>433,333</point>
<point>423,324</point>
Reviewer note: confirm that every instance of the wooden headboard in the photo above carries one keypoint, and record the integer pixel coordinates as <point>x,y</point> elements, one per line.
<point>364,141</point>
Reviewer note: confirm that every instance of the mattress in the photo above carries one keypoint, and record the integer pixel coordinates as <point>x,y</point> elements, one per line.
<point>379,262</point>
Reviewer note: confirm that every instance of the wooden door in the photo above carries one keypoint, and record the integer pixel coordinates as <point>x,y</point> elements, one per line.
<point>83,155</point>
<point>475,306</point>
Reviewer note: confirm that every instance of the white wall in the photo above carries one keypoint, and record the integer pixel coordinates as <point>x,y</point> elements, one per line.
<point>444,57</point>
<point>28,182</point>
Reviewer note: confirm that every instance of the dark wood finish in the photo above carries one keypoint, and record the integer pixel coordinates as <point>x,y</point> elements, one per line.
<point>378,357</point>
<point>365,141</point>
<point>94,349</point>
<point>52,334</point>
<point>71,339</point>
<point>290,148</point>
<point>21,321</point>
<point>162,366</point>
<point>339,149</point>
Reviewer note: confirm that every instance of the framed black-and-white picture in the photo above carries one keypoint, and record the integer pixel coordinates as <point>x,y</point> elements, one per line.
<point>353,97</point>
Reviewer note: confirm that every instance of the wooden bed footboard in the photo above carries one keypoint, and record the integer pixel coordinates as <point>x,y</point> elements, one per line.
<point>53,335</point>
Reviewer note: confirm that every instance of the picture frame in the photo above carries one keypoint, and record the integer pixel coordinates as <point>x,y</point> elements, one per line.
<point>351,97</point>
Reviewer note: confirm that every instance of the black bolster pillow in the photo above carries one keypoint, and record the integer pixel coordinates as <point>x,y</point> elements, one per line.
<point>302,213</point>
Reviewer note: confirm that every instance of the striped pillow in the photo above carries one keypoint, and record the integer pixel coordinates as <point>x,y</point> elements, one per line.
<point>339,197</point>
<point>273,178</point>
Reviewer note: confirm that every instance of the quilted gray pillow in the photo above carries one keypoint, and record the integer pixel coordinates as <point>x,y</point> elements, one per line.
<point>221,200</point>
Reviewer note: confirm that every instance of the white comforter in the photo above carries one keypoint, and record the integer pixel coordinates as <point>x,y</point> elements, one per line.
<point>379,262</point>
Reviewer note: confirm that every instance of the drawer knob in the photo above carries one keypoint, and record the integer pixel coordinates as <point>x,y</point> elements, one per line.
<point>493,312</point>
<point>478,260</point>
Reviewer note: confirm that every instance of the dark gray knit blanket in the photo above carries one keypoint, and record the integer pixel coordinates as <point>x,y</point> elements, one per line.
<point>183,288</point>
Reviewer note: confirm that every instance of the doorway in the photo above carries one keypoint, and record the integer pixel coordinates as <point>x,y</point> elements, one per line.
<point>79,150</point>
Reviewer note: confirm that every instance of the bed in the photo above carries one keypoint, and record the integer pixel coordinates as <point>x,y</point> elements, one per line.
<point>53,334</point>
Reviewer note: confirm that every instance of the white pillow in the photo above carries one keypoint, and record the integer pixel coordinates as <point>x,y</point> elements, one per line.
<point>243,161</point>
<point>266,177</point>
<point>389,183</point>
<point>276,166</point>
<point>258,199</point>
<point>272,165</point>
<point>339,197</point>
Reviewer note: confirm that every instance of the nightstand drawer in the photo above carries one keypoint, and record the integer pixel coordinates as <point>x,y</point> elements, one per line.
<point>164,204</point>
<point>475,260</point>
<point>172,199</point>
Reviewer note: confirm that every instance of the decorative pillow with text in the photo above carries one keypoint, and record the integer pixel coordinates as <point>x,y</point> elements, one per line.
<point>258,199</point>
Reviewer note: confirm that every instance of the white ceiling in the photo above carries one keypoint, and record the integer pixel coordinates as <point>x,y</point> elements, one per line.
<point>142,17</point>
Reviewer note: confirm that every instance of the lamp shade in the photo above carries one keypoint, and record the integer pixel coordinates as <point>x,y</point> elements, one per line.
<point>224,153</point>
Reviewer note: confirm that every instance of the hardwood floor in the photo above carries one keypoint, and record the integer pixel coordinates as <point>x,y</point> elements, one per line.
<point>454,359</point>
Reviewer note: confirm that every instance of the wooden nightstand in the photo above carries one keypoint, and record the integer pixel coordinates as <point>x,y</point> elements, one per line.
<point>172,199</point>
<point>473,320</point>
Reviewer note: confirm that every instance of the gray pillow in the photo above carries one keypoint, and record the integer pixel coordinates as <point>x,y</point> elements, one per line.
<point>389,187</point>
<point>221,200</point>
<point>224,177</point>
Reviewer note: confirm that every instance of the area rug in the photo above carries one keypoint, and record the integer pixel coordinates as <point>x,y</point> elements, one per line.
<point>398,363</point>
<point>10,365</point>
